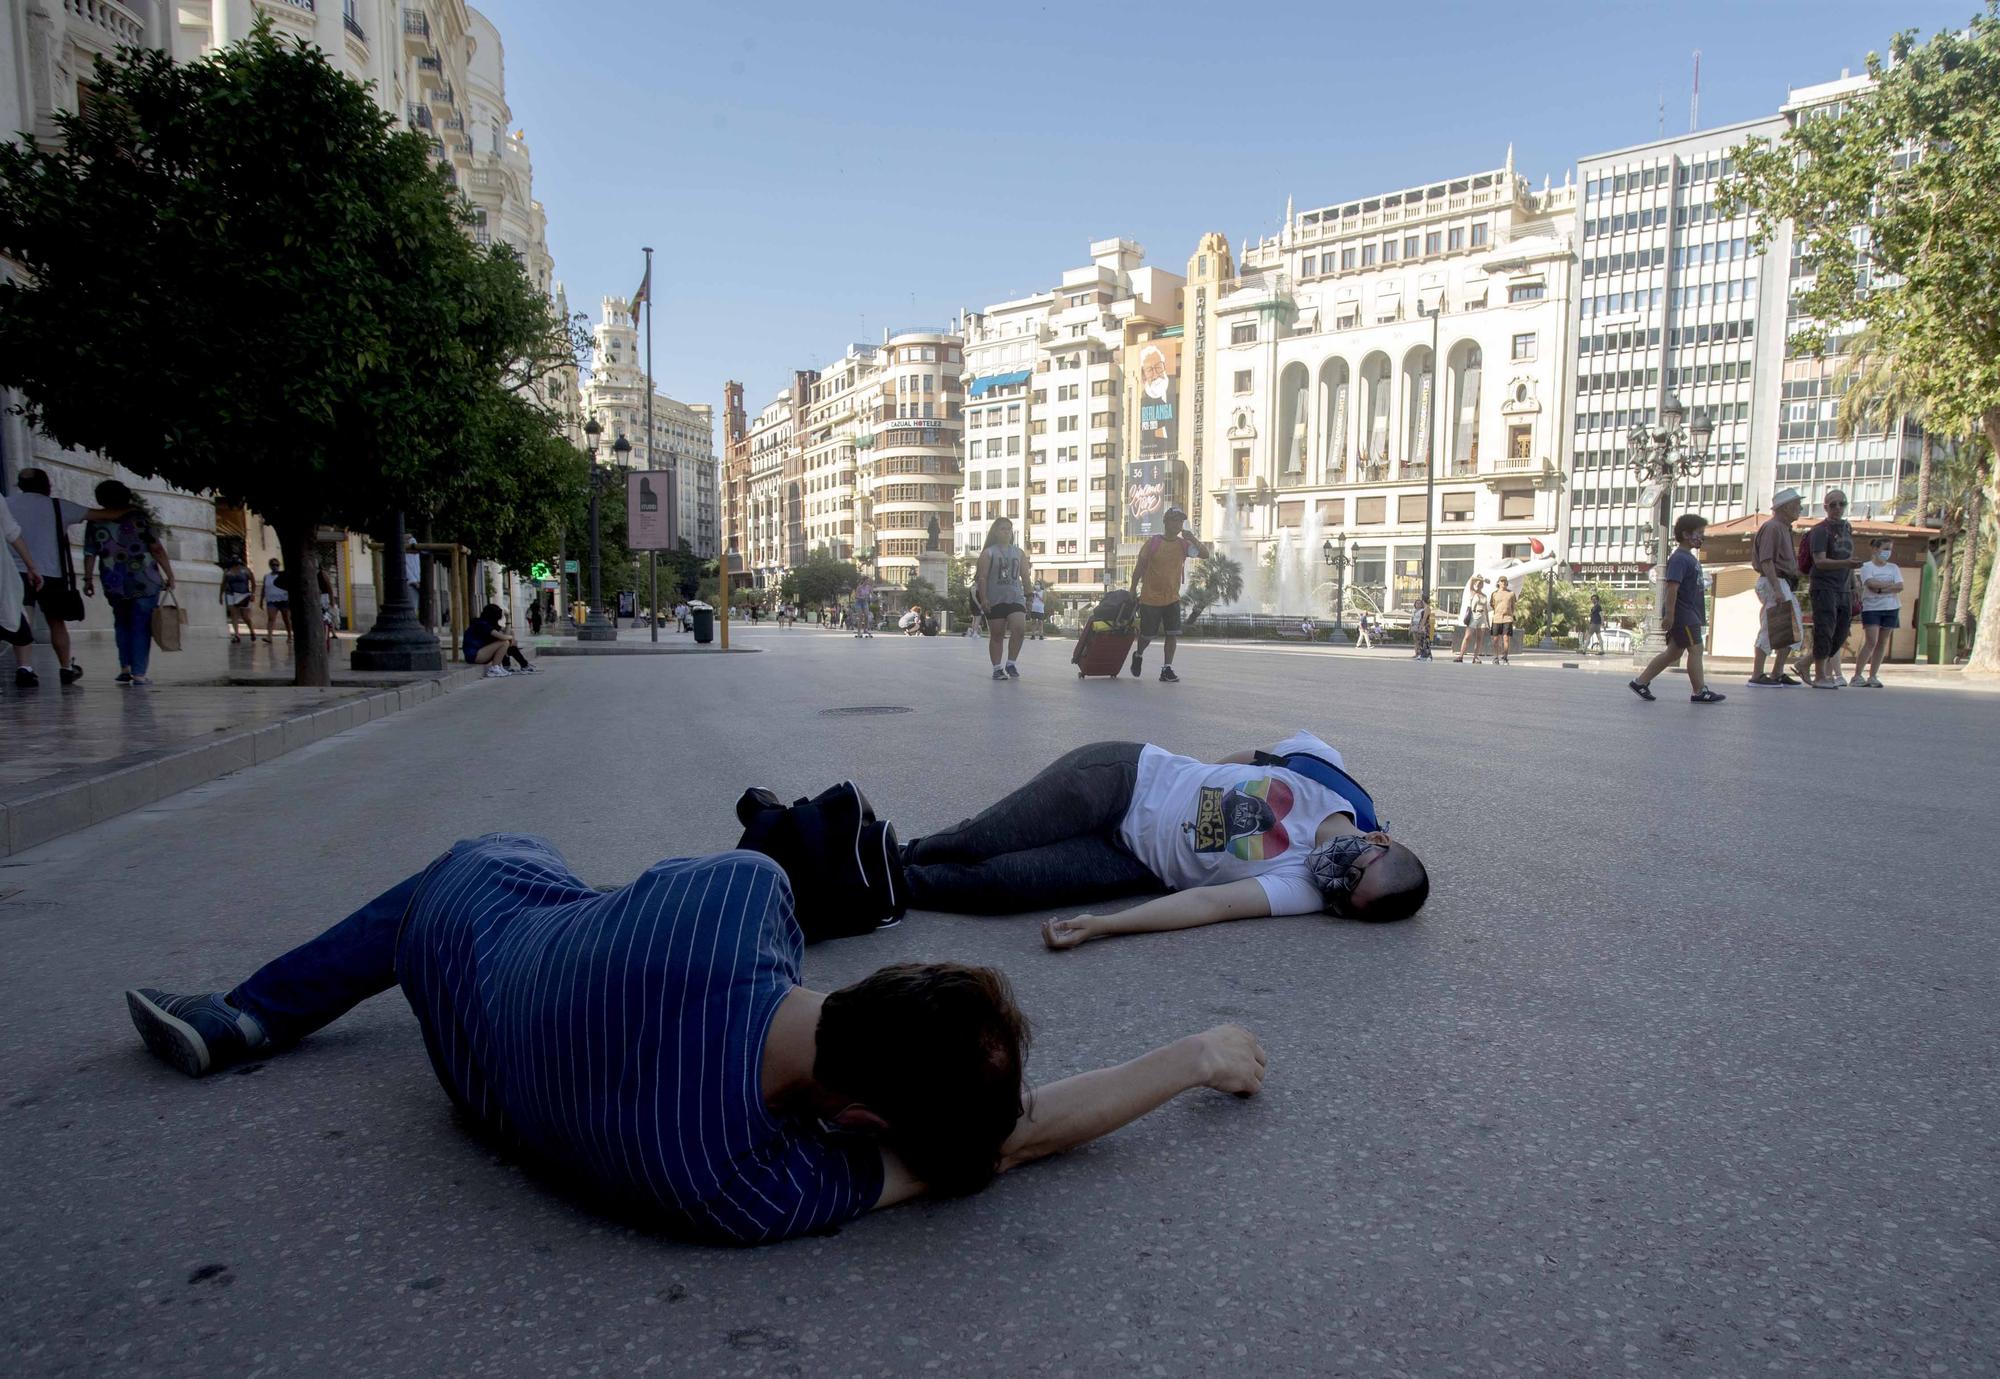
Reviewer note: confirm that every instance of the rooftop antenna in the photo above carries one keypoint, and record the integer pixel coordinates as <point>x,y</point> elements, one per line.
<point>1663,110</point>
<point>1694,106</point>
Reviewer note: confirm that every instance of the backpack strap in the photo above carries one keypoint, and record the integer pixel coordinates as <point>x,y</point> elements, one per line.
<point>1318,768</point>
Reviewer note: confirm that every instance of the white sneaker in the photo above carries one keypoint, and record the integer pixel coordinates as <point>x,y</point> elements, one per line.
<point>497,672</point>
<point>1873,683</point>
<point>1839,679</point>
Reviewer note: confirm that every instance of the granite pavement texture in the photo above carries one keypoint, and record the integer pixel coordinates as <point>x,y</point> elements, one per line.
<point>1688,1068</point>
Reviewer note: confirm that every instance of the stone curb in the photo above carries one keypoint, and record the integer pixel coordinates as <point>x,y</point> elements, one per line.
<point>115,789</point>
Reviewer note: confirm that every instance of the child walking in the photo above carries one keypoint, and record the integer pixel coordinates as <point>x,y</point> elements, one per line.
<point>1682,614</point>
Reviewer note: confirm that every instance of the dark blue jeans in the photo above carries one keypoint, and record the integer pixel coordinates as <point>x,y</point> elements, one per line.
<point>1052,843</point>
<point>132,627</point>
<point>324,978</point>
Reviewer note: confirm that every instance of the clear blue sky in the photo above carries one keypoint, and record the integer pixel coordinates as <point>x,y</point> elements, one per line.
<point>809,174</point>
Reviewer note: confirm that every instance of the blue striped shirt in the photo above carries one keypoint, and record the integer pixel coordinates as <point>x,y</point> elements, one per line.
<point>619,1036</point>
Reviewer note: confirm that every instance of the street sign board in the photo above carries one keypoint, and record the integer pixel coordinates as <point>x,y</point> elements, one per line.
<point>649,510</point>
<point>569,567</point>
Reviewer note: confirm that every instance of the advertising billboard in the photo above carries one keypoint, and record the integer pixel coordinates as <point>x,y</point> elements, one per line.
<point>1159,398</point>
<point>649,510</point>
<point>1146,497</point>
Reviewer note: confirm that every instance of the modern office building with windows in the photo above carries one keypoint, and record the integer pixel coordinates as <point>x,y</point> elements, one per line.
<point>1808,451</point>
<point>1322,408</point>
<point>1047,380</point>
<point>1673,297</point>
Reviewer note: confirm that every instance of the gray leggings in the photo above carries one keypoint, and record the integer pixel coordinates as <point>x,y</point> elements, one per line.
<point>1052,843</point>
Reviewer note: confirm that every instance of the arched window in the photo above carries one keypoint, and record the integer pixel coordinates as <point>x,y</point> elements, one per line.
<point>1333,409</point>
<point>1465,378</point>
<point>1419,406</point>
<point>1294,415</point>
<point>1375,405</point>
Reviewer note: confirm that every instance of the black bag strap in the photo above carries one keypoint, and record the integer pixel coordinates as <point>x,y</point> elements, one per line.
<point>62,544</point>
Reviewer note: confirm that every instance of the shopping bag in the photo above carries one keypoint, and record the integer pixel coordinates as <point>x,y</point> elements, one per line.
<point>168,619</point>
<point>1783,623</point>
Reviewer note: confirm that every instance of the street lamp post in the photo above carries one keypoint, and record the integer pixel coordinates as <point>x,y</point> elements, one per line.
<point>1675,449</point>
<point>397,641</point>
<point>1336,560</point>
<point>596,627</point>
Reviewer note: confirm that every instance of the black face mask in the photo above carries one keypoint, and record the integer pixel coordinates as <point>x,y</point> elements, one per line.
<point>1334,868</point>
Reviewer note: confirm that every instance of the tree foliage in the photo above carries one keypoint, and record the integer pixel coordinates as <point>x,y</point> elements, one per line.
<point>242,279</point>
<point>1217,579</point>
<point>823,578</point>
<point>1892,199</point>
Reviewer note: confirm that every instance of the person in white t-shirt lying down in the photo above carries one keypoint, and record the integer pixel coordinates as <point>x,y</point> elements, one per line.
<point>1236,839</point>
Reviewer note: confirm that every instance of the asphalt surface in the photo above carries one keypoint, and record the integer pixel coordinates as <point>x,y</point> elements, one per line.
<point>1688,1068</point>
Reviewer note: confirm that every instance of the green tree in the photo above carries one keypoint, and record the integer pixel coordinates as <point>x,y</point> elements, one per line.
<point>958,586</point>
<point>1877,396</point>
<point>1217,579</point>
<point>241,279</point>
<point>1892,203</point>
<point>921,593</point>
<point>825,577</point>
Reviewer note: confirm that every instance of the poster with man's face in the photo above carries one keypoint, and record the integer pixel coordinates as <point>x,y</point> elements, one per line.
<point>1159,400</point>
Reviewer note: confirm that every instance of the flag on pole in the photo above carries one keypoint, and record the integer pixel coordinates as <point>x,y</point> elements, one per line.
<point>645,292</point>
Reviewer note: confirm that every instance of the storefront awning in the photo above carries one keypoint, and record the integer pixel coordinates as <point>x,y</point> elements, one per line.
<point>982,386</point>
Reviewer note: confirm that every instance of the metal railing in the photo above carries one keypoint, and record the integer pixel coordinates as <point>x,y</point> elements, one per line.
<point>420,116</point>
<point>417,22</point>
<point>353,26</point>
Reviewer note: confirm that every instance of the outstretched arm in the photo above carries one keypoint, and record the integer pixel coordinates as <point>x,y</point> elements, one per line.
<point>1091,1105</point>
<point>1188,909</point>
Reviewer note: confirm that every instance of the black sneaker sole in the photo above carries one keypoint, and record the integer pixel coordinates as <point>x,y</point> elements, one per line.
<point>172,1040</point>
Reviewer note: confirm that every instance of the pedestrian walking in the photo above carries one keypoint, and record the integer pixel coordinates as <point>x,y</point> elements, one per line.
<point>1002,578</point>
<point>44,521</point>
<point>1473,637</point>
<point>1881,613</point>
<point>14,627</point>
<point>1422,623</point>
<point>535,618</point>
<point>1503,621</point>
<point>1683,614</point>
<point>237,590</point>
<point>1828,555</point>
<point>743,1108</point>
<point>125,542</point>
<point>1364,632</point>
<point>1780,624</point>
<point>1596,636</point>
<point>277,600</point>
<point>1037,617</point>
<point>1156,580</point>
<point>325,604</point>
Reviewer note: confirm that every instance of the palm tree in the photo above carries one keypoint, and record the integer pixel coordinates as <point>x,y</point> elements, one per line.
<point>1958,487</point>
<point>1217,579</point>
<point>1877,397</point>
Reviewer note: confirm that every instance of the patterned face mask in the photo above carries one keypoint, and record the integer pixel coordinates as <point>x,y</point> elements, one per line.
<point>1338,867</point>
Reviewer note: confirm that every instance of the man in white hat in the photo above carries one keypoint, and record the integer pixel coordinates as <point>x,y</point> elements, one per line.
<point>1777,563</point>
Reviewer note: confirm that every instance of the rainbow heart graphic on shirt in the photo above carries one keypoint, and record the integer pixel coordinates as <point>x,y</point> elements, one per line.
<point>1248,819</point>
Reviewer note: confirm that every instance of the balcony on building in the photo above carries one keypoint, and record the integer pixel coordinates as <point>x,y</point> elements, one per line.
<point>351,22</point>
<point>416,32</point>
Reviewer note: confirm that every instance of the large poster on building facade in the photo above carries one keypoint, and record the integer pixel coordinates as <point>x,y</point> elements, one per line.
<point>1159,398</point>
<point>1145,497</point>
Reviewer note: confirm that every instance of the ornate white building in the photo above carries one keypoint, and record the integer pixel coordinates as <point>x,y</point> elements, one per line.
<point>1322,409</point>
<point>683,437</point>
<point>436,66</point>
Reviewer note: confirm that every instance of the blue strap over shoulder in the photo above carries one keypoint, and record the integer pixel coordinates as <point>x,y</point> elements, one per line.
<point>1316,768</point>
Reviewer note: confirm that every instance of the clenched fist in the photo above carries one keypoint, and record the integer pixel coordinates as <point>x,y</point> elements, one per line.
<point>1231,1060</point>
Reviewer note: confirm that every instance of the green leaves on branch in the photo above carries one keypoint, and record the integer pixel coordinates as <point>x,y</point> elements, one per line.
<point>241,278</point>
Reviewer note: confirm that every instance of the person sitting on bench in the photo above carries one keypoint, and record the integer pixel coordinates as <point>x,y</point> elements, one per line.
<point>1254,834</point>
<point>652,1044</point>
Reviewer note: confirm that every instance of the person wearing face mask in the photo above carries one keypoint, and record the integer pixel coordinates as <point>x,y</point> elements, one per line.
<point>1683,614</point>
<point>1257,833</point>
<point>1881,614</point>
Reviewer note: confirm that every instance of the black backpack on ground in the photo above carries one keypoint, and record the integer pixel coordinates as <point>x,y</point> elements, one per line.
<point>845,865</point>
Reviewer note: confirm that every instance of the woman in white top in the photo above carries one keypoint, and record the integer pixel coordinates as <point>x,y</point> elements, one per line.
<point>1476,607</point>
<point>13,611</point>
<point>1002,584</point>
<point>1881,613</point>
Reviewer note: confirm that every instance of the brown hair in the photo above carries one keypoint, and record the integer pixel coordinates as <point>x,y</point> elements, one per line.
<point>936,1050</point>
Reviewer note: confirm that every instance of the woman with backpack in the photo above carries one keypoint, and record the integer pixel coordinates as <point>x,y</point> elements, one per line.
<point>1002,585</point>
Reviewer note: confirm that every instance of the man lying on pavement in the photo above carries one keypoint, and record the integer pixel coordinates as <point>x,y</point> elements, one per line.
<point>652,1043</point>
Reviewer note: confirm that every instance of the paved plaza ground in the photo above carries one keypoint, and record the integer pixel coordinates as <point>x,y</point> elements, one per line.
<point>1688,1068</point>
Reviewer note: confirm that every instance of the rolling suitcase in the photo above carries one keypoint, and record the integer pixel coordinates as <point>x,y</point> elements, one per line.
<point>1106,640</point>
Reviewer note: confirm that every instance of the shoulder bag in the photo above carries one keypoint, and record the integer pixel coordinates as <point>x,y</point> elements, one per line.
<point>68,607</point>
<point>168,619</point>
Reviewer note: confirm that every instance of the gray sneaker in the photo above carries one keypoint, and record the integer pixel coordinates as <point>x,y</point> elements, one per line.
<point>197,1034</point>
<point>999,674</point>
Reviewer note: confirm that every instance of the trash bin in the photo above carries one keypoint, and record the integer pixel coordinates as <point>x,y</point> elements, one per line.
<point>704,624</point>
